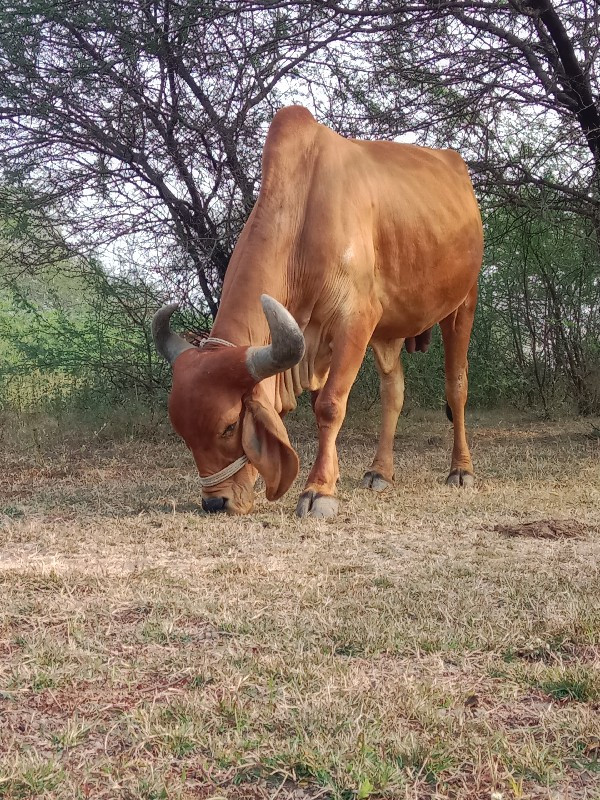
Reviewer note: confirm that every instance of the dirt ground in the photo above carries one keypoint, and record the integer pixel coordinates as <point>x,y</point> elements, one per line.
<point>427,643</point>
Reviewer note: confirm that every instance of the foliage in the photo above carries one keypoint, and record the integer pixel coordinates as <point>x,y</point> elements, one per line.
<point>541,299</point>
<point>77,339</point>
<point>132,135</point>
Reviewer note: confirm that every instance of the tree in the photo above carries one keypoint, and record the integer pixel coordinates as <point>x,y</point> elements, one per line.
<point>146,119</point>
<point>512,84</point>
<point>133,132</point>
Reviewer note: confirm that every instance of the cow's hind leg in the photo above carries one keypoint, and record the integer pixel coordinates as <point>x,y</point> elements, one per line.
<point>391,376</point>
<point>348,350</point>
<point>456,332</point>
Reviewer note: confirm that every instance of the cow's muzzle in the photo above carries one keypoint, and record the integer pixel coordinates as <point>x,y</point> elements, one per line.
<point>212,505</point>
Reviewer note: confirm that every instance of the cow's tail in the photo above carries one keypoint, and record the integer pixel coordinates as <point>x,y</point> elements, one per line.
<point>449,412</point>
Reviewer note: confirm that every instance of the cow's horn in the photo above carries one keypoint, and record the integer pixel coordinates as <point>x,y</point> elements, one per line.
<point>168,344</point>
<point>287,346</point>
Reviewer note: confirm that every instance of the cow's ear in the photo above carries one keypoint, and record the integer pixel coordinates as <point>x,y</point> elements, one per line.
<point>265,442</point>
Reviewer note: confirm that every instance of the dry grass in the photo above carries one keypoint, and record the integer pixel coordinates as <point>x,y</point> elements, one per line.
<point>407,649</point>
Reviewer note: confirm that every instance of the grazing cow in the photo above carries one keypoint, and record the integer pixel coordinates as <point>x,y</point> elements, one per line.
<point>350,244</point>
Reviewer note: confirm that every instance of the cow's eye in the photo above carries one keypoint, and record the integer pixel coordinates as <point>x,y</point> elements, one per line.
<point>229,429</point>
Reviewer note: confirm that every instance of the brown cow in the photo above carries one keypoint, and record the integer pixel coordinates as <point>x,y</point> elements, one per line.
<point>365,243</point>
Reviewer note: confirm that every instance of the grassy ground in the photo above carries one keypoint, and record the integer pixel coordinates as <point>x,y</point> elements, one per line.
<point>428,643</point>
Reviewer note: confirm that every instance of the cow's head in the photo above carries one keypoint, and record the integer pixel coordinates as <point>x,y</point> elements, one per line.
<point>221,410</point>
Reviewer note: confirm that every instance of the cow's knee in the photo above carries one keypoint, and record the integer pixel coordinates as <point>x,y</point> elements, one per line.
<point>329,410</point>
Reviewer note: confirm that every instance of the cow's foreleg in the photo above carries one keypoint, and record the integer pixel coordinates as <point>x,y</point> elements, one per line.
<point>348,350</point>
<point>456,332</point>
<point>391,378</point>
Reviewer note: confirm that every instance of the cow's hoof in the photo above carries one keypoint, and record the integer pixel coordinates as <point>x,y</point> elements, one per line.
<point>460,477</point>
<point>313,504</point>
<point>374,481</point>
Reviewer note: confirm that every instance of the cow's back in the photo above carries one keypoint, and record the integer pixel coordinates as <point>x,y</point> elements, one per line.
<point>426,231</point>
<point>396,222</point>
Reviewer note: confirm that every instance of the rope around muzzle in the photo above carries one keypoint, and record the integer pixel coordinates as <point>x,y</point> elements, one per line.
<point>230,471</point>
<point>223,474</point>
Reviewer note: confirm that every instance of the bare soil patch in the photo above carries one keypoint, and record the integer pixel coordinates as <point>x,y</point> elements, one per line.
<point>546,529</point>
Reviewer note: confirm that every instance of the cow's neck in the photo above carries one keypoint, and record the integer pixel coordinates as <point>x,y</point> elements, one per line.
<point>253,271</point>
<point>241,321</point>
<point>263,262</point>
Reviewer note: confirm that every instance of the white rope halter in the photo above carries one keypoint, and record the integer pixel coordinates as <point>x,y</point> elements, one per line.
<point>226,472</point>
<point>218,341</point>
<point>223,474</point>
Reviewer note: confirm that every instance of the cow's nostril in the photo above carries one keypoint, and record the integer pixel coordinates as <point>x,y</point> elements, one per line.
<point>213,504</point>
